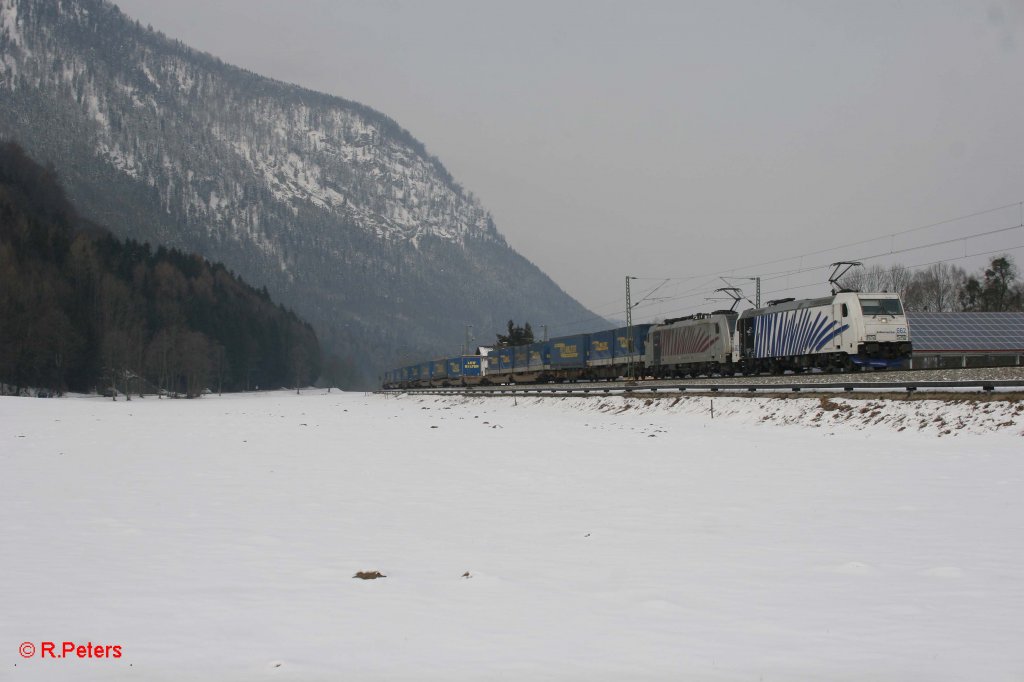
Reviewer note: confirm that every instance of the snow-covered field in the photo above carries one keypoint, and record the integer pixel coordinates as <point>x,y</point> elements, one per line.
<point>559,539</point>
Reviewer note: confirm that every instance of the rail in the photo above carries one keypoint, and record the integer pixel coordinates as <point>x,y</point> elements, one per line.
<point>613,388</point>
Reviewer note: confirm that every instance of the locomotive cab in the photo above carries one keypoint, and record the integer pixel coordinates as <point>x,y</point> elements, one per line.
<point>878,335</point>
<point>873,330</point>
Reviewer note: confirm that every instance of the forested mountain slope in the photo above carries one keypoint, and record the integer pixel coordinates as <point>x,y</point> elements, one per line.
<point>335,208</point>
<point>82,310</point>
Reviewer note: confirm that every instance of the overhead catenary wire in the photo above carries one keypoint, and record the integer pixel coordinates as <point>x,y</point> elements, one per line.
<point>818,252</point>
<point>678,311</point>
<point>891,252</point>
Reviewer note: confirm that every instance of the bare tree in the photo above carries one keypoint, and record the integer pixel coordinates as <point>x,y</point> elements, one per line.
<point>163,359</point>
<point>195,362</point>
<point>874,278</point>
<point>299,364</point>
<point>936,289</point>
<point>122,333</point>
<point>219,361</point>
<point>115,349</point>
<point>898,279</point>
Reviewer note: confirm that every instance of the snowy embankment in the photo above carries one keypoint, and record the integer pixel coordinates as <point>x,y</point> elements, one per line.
<point>954,415</point>
<point>217,539</point>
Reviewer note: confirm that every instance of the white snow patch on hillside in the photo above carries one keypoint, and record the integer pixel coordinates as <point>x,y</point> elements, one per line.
<point>9,22</point>
<point>9,27</point>
<point>216,539</point>
<point>149,75</point>
<point>121,160</point>
<point>9,68</point>
<point>96,111</point>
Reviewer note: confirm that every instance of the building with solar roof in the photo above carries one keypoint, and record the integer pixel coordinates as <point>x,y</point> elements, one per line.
<point>947,340</point>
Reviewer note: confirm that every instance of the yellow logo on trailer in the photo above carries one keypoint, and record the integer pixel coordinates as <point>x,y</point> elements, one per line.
<point>567,350</point>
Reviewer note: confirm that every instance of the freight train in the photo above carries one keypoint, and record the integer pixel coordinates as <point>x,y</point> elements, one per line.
<point>844,332</point>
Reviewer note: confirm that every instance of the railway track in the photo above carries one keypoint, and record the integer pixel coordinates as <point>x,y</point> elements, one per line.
<point>979,380</point>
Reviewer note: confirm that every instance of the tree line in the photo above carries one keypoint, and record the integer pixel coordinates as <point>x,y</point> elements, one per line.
<point>81,310</point>
<point>943,287</point>
<point>516,336</point>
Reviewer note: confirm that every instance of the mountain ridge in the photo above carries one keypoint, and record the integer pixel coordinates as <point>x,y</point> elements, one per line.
<point>332,205</point>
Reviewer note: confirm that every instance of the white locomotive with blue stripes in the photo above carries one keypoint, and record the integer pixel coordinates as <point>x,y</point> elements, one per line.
<point>843,332</point>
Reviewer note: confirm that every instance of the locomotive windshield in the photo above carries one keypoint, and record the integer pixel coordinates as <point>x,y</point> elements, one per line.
<point>881,306</point>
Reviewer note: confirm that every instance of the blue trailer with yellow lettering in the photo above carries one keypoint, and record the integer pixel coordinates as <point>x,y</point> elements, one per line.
<point>439,372</point>
<point>465,370</point>
<point>568,357</point>
<point>532,362</point>
<point>602,349</point>
<point>618,352</point>
<point>500,365</point>
<point>474,370</point>
<point>520,361</point>
<point>453,371</point>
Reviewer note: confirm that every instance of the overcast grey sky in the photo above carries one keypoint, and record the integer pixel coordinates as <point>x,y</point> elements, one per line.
<point>676,139</point>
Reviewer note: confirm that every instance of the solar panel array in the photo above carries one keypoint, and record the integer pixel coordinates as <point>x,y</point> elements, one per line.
<point>966,332</point>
